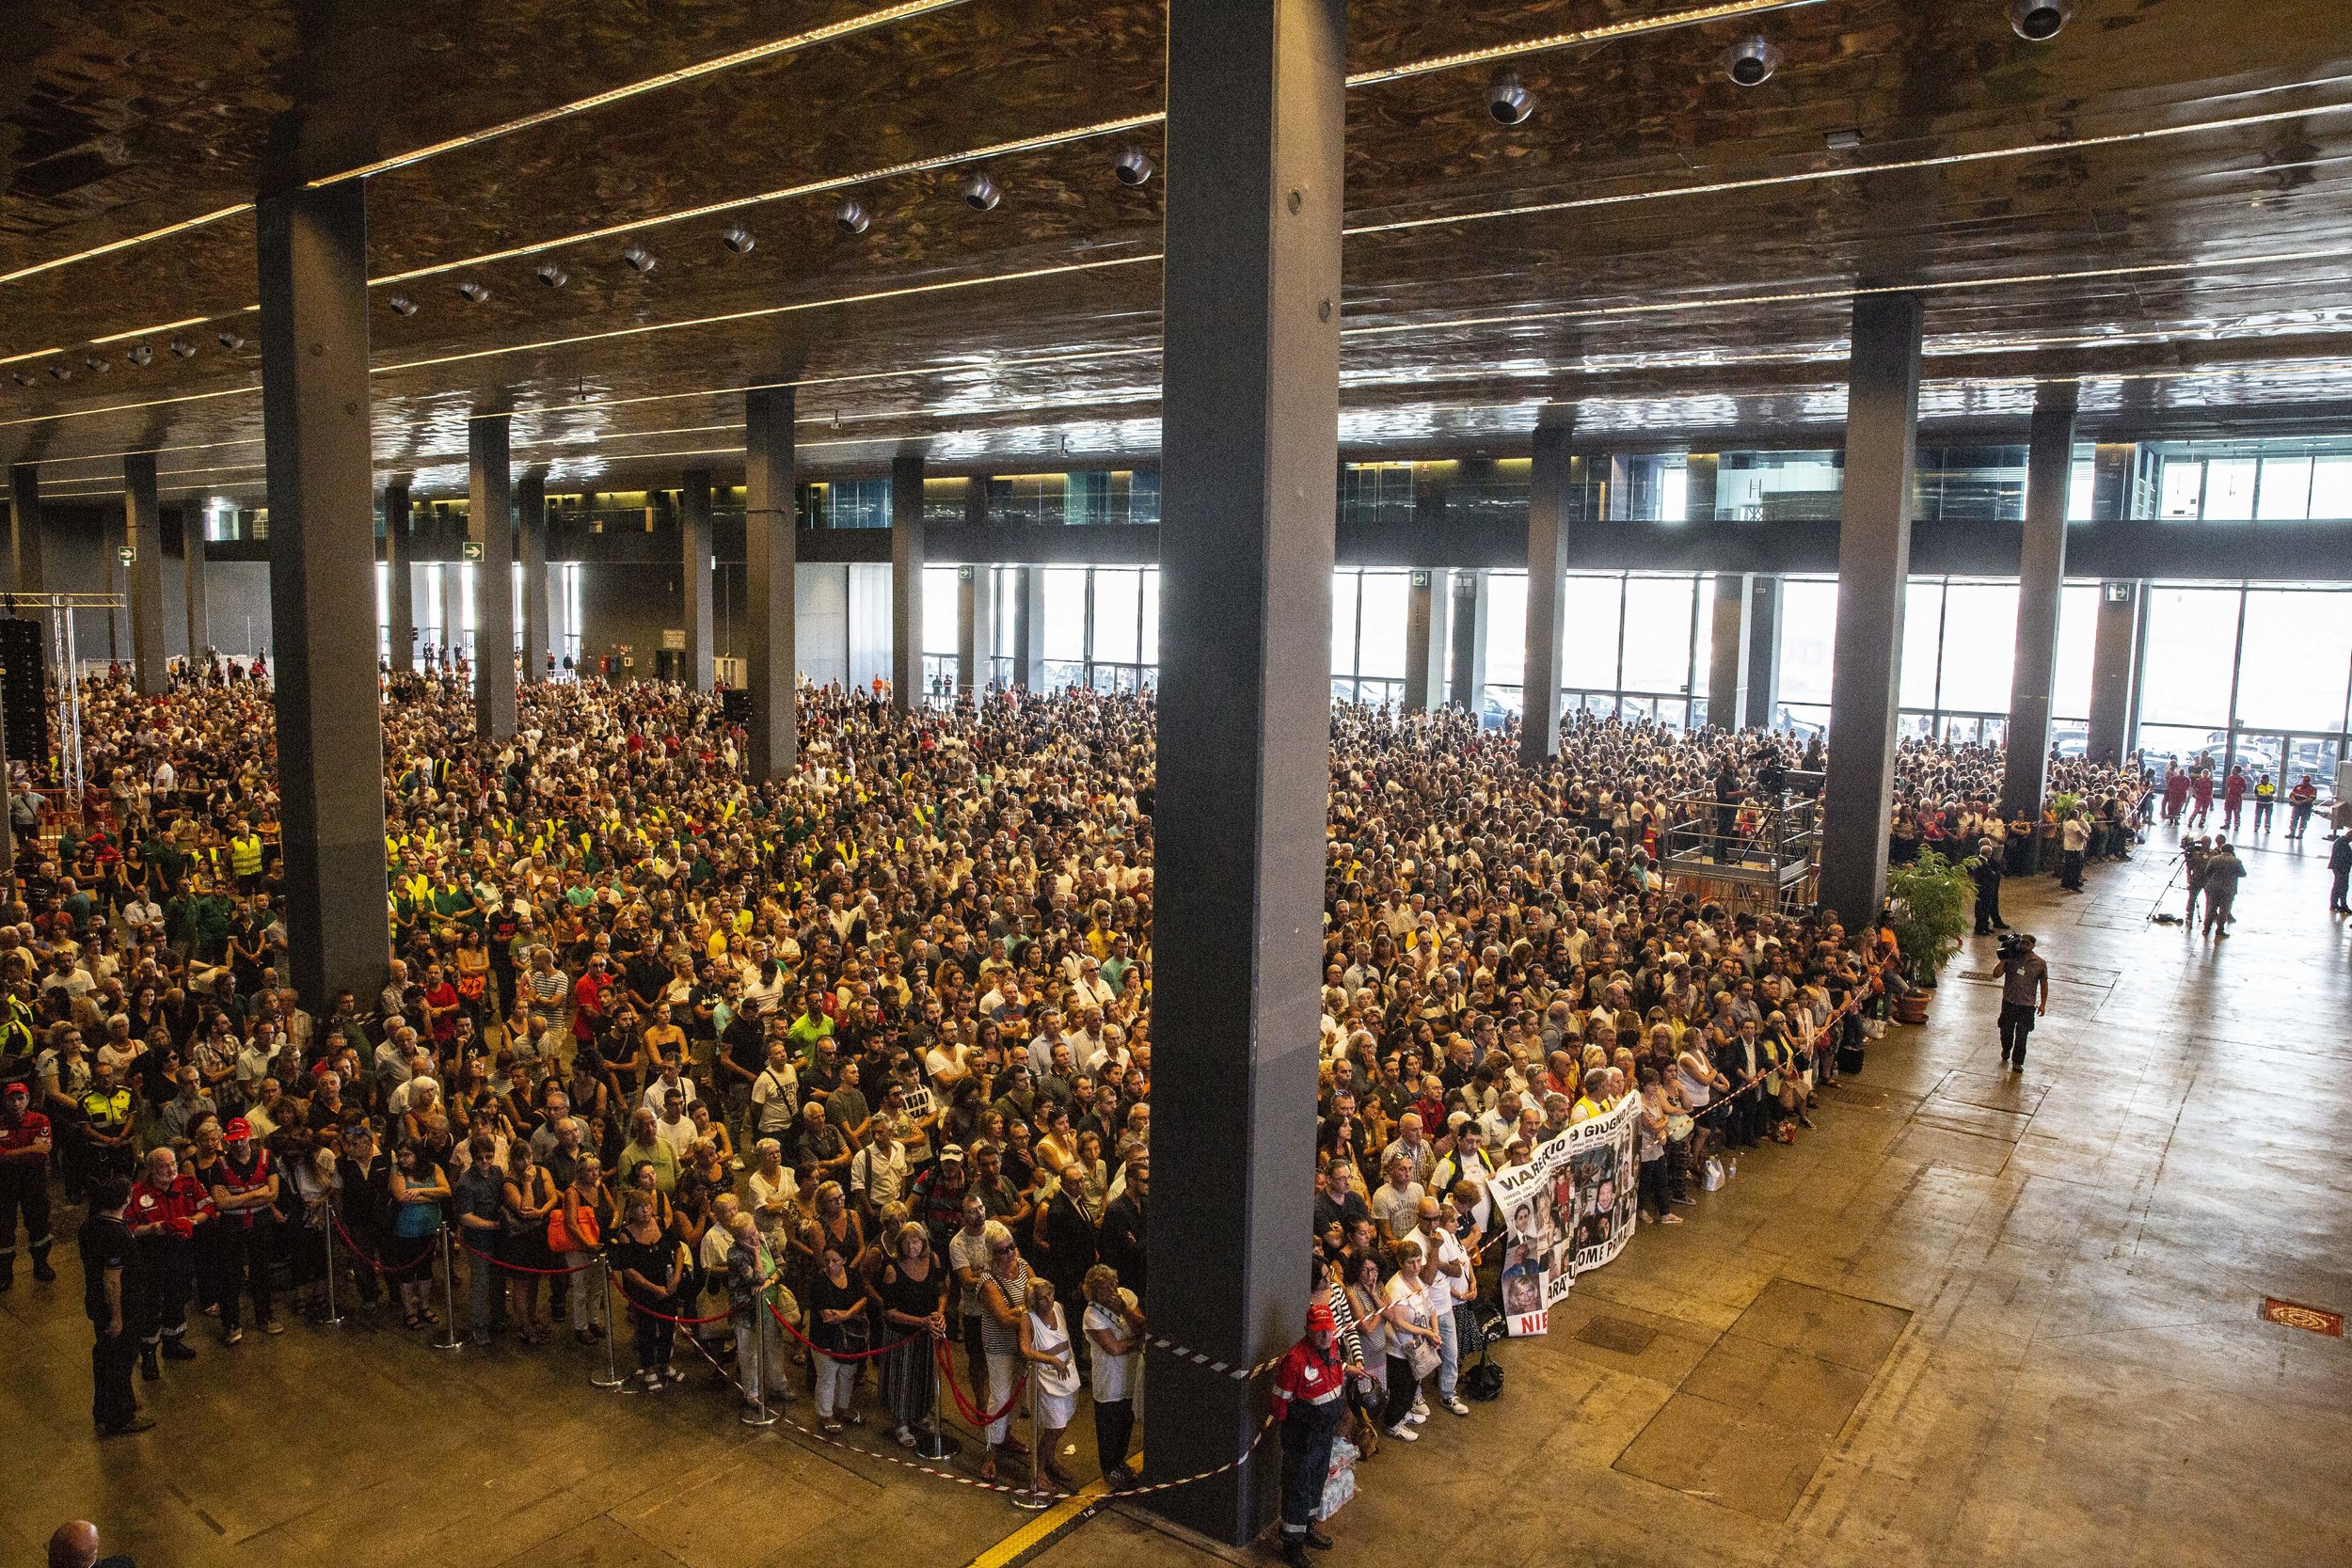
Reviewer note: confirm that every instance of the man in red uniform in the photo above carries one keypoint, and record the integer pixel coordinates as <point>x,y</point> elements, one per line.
<point>167,1206</point>
<point>24,1145</point>
<point>1308,1388</point>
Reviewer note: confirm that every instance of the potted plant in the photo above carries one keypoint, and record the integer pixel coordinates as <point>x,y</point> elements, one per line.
<point>1931,907</point>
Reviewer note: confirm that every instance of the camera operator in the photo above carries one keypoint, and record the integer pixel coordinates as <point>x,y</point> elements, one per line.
<point>2024,996</point>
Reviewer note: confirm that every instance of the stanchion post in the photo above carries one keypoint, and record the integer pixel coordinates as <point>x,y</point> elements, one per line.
<point>759,1415</point>
<point>937,1444</point>
<point>333,1319</point>
<point>451,1339</point>
<point>611,1378</point>
<point>1035,1496</point>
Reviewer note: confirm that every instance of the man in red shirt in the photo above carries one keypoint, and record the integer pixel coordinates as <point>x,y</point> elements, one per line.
<point>24,1145</point>
<point>1306,1400</point>
<point>588,997</point>
<point>167,1206</point>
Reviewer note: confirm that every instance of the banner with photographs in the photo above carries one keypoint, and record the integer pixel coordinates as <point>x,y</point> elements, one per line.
<point>1570,1207</point>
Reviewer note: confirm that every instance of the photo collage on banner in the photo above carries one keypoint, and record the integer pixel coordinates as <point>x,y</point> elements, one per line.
<point>1570,1207</point>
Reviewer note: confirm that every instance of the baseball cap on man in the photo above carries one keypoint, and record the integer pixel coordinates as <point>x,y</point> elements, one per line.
<point>238,1130</point>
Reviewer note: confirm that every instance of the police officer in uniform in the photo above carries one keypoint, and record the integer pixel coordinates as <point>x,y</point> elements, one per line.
<point>24,1144</point>
<point>111,1290</point>
<point>1308,1389</point>
<point>167,1206</point>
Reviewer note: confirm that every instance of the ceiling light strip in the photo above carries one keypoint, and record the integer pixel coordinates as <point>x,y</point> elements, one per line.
<point>1944,160</point>
<point>1730,11</point>
<point>129,407</point>
<point>125,243</point>
<point>767,311</point>
<point>145,331</point>
<point>832,32</point>
<point>813,187</point>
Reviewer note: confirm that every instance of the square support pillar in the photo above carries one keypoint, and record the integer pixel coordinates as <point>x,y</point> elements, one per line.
<point>193,513</point>
<point>906,582</point>
<point>312,252</point>
<point>1028,630</point>
<point>1700,472</point>
<point>694,581</point>
<point>2115,670</point>
<point>1728,656</point>
<point>490,519</point>
<point>772,664</point>
<point>1466,684</point>
<point>530,531</point>
<point>1873,564</point>
<point>1428,636</point>
<point>1763,709</point>
<point>975,627</point>
<point>401,576</point>
<point>1547,509</point>
<point>143,533</point>
<point>2040,580</point>
<point>26,567</point>
<point>1250,418</point>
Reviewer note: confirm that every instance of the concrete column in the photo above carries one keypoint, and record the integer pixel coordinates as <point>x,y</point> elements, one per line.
<point>695,563</point>
<point>400,574</point>
<point>1466,685</point>
<point>1029,630</point>
<point>192,513</point>
<point>530,532</point>
<point>975,503</point>
<point>975,627</point>
<point>1547,510</point>
<point>1763,653</point>
<point>2041,577</point>
<point>143,532</point>
<point>312,249</point>
<point>2114,669</point>
<point>1728,656</point>
<point>26,574</point>
<point>771,667</point>
<point>1873,561</point>
<point>1700,472</point>
<point>1250,418</point>
<point>490,518</point>
<point>906,582</point>
<point>1428,636</point>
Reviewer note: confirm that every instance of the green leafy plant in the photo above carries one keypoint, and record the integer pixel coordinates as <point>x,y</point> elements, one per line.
<point>2064,803</point>
<point>1933,905</point>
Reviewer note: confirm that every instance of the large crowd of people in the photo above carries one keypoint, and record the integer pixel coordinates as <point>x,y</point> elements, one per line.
<point>847,1081</point>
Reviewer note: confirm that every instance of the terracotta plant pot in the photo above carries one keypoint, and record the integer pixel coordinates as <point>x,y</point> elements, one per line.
<point>1912,1008</point>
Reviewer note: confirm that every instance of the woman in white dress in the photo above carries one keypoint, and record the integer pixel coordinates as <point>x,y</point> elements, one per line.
<point>1045,1346</point>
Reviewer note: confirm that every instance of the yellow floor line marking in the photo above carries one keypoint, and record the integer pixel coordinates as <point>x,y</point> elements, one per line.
<point>1049,1524</point>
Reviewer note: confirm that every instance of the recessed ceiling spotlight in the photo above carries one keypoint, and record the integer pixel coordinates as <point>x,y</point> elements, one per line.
<point>1842,141</point>
<point>1508,100</point>
<point>140,354</point>
<point>1750,63</point>
<point>96,366</point>
<point>552,276</point>
<point>22,378</point>
<point>850,218</point>
<point>473,291</point>
<point>401,305</point>
<point>2039,20</point>
<point>183,348</point>
<point>1133,167</point>
<point>737,238</point>
<point>62,371</point>
<point>980,192</point>
<point>639,258</point>
<point>229,340</point>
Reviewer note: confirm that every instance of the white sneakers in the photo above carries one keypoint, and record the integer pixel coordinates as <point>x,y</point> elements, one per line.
<point>1456,1406</point>
<point>1402,1431</point>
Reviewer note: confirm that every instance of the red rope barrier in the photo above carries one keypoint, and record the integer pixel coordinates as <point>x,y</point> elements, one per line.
<point>972,1412</point>
<point>370,1258</point>
<point>836,1355</point>
<point>520,1268</point>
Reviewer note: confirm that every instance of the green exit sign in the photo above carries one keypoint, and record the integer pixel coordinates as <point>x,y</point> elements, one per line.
<point>125,553</point>
<point>472,550</point>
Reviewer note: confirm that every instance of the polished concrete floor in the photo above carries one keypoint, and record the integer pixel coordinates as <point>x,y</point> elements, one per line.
<point>1975,1319</point>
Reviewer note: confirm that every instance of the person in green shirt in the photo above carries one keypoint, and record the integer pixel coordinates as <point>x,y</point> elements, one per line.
<point>810,1027</point>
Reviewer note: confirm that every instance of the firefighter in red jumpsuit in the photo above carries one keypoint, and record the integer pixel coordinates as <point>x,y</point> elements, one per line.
<point>1308,1386</point>
<point>24,1145</point>
<point>167,1206</point>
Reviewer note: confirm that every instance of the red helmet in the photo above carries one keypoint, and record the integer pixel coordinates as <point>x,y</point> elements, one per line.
<point>1319,1318</point>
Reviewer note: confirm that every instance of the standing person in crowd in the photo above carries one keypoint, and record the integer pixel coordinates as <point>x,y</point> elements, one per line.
<point>1113,1325</point>
<point>913,1294</point>
<point>25,1144</point>
<point>2300,801</point>
<point>2024,996</point>
<point>753,1304</point>
<point>245,1194</point>
<point>1307,1404</point>
<point>840,1328</point>
<point>648,1264</point>
<point>1004,1295</point>
<point>2339,876</point>
<point>1051,1357</point>
<point>165,1208</point>
<point>112,1290</point>
<point>2223,872</point>
<point>1413,1343</point>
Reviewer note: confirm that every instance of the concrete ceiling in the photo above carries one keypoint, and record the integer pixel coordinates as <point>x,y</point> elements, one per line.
<point>2156,202</point>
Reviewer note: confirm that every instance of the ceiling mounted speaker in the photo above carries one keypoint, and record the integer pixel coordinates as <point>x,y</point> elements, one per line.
<point>737,238</point>
<point>140,354</point>
<point>639,260</point>
<point>553,275</point>
<point>1750,63</point>
<point>230,341</point>
<point>1133,167</point>
<point>401,305</point>
<point>2040,21</point>
<point>850,218</point>
<point>183,348</point>
<point>980,192</point>
<point>1508,101</point>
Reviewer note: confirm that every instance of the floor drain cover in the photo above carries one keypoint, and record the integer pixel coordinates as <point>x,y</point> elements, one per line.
<point>2294,1316</point>
<point>1617,1334</point>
